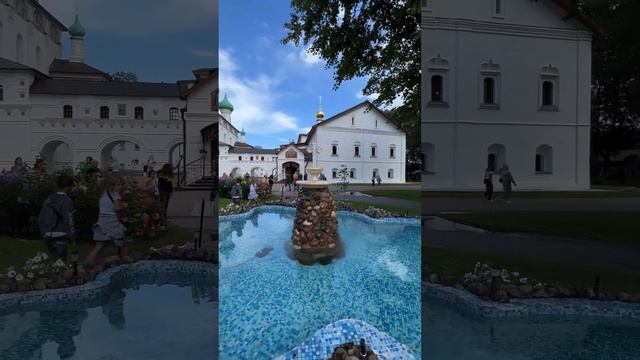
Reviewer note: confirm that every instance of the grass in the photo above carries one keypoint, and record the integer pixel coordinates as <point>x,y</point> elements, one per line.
<point>613,227</point>
<point>15,252</point>
<point>456,262</point>
<point>396,210</point>
<point>396,194</point>
<point>604,193</point>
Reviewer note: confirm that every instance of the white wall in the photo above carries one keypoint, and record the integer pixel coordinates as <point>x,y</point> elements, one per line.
<point>529,37</point>
<point>14,24</point>
<point>15,113</point>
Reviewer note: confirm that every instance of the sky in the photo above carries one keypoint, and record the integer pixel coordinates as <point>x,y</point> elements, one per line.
<point>159,40</point>
<point>274,88</point>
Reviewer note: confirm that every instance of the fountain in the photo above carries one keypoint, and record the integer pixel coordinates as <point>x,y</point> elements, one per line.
<point>315,235</point>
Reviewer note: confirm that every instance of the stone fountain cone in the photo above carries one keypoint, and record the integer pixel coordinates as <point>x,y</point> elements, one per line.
<point>315,235</point>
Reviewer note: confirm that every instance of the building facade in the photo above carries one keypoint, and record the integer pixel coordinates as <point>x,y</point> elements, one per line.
<point>362,140</point>
<point>64,110</point>
<point>505,83</point>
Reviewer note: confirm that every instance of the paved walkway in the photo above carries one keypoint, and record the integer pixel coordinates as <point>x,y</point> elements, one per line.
<point>441,233</point>
<point>434,206</point>
<point>184,211</point>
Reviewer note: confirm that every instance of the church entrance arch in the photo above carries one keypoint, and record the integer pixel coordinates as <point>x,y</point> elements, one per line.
<point>57,154</point>
<point>235,172</point>
<point>123,154</point>
<point>257,171</point>
<point>289,168</point>
<point>496,157</point>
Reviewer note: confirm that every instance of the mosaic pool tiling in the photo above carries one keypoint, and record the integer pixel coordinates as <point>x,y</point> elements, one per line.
<point>147,310</point>
<point>461,326</point>
<point>274,303</point>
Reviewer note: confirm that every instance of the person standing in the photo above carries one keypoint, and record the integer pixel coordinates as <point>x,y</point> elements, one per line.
<point>373,180</point>
<point>270,183</point>
<point>379,180</point>
<point>109,227</point>
<point>165,185</point>
<point>507,179</point>
<point>56,218</point>
<point>19,168</point>
<point>296,176</point>
<point>488,183</point>
<point>236,192</point>
<point>253,194</point>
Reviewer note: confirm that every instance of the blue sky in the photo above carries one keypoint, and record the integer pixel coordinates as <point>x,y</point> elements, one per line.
<point>159,40</point>
<point>274,88</point>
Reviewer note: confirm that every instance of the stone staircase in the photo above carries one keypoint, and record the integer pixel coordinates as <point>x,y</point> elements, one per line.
<point>204,184</point>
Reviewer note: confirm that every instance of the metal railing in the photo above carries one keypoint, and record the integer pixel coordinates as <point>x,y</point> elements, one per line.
<point>190,172</point>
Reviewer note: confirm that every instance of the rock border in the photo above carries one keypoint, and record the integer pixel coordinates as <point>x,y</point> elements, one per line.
<point>469,304</point>
<point>94,290</point>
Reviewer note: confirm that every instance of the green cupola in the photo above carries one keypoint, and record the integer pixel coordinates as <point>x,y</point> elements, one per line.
<point>225,104</point>
<point>77,30</point>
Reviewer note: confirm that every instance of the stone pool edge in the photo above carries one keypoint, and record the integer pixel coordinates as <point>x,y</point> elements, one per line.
<point>322,343</point>
<point>102,283</point>
<point>364,217</point>
<point>470,304</point>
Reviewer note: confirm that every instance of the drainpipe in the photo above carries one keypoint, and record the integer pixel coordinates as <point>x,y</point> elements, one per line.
<point>184,143</point>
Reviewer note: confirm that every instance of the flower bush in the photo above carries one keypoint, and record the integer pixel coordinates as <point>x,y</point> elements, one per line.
<point>21,197</point>
<point>38,267</point>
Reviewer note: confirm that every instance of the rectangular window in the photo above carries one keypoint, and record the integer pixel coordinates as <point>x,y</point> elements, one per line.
<point>122,109</point>
<point>334,150</point>
<point>261,158</point>
<point>87,111</point>
<point>22,95</point>
<point>392,153</point>
<point>240,158</point>
<point>353,121</point>
<point>356,151</point>
<point>538,163</point>
<point>498,8</point>
<point>373,151</point>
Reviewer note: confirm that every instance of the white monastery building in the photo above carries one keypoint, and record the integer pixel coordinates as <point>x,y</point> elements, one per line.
<point>505,82</point>
<point>361,139</point>
<point>65,110</point>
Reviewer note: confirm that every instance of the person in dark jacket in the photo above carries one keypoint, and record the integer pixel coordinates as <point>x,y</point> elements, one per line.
<point>165,185</point>
<point>56,218</point>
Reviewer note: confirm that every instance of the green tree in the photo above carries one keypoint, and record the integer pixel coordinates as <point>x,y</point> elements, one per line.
<point>377,39</point>
<point>124,76</point>
<point>616,75</point>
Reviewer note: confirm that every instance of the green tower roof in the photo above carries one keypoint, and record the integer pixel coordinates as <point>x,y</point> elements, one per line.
<point>225,104</point>
<point>76,30</point>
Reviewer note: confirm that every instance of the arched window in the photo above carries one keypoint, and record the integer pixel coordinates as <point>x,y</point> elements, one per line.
<point>547,93</point>
<point>239,158</point>
<point>489,91</point>
<point>392,151</point>
<point>67,111</point>
<point>356,149</point>
<point>390,174</point>
<point>291,154</point>
<point>376,173</point>
<point>334,173</point>
<point>19,49</point>
<point>38,22</point>
<point>38,57</point>
<point>352,173</point>
<point>138,112</point>
<point>374,150</point>
<point>174,113</point>
<point>544,159</point>
<point>496,157</point>
<point>104,112</point>
<point>436,88</point>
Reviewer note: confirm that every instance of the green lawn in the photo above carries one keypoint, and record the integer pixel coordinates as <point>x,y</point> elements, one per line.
<point>14,252</point>
<point>614,227</point>
<point>396,210</point>
<point>598,193</point>
<point>397,194</point>
<point>456,262</point>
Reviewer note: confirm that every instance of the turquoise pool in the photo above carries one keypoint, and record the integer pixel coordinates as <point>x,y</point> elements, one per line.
<point>159,314</point>
<point>271,304</point>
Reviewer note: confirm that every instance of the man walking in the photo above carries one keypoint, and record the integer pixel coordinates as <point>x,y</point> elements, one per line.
<point>56,218</point>
<point>488,183</point>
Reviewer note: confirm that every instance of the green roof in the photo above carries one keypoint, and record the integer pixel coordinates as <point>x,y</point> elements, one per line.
<point>225,104</point>
<point>76,30</point>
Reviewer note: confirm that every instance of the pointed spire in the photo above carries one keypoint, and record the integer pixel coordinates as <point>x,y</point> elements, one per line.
<point>319,113</point>
<point>77,30</point>
<point>225,104</point>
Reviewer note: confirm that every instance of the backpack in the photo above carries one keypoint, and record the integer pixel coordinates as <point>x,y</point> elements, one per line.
<point>49,218</point>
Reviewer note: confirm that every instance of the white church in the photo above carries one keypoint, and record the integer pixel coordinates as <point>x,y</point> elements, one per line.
<point>361,139</point>
<point>505,82</point>
<point>64,110</point>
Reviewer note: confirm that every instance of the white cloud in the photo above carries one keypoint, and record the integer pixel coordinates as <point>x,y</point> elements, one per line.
<point>396,102</point>
<point>308,58</point>
<point>254,99</point>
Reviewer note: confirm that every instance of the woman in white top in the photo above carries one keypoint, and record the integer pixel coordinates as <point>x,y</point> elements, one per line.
<point>109,227</point>
<point>253,195</point>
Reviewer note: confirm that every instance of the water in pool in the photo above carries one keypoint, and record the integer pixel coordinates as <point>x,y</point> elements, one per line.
<point>150,319</point>
<point>271,304</point>
<point>450,335</point>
